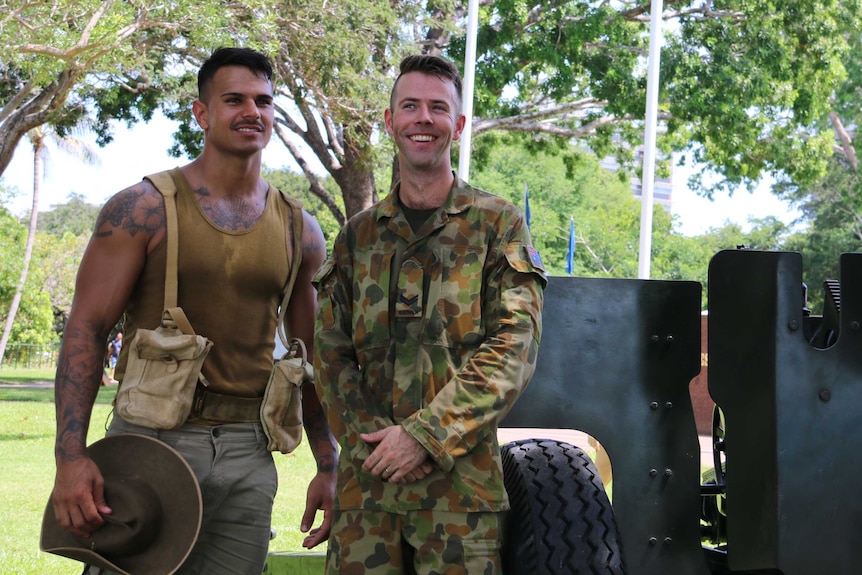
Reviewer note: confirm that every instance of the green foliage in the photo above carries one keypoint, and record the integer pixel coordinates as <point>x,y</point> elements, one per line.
<point>296,186</point>
<point>769,73</point>
<point>66,60</point>
<point>59,259</point>
<point>76,216</point>
<point>572,184</point>
<point>832,207</point>
<point>746,85</point>
<point>34,320</point>
<point>47,296</point>
<point>13,234</point>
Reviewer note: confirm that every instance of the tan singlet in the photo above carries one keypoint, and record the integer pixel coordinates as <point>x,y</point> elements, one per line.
<point>230,287</point>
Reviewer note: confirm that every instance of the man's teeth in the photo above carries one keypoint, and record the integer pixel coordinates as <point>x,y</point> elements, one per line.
<point>421,138</point>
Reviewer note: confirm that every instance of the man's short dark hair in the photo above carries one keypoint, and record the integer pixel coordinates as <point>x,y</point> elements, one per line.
<point>221,57</point>
<point>431,65</point>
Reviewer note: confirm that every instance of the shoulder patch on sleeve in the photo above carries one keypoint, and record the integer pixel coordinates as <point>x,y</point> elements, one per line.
<point>525,258</point>
<point>533,253</point>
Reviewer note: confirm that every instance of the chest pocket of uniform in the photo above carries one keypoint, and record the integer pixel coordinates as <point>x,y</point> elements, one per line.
<point>455,296</point>
<point>371,273</point>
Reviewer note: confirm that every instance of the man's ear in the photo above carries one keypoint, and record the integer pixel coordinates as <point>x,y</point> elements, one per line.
<point>387,120</point>
<point>459,126</point>
<point>199,109</point>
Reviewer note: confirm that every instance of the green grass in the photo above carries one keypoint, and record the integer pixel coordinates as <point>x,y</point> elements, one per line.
<point>27,477</point>
<point>26,375</point>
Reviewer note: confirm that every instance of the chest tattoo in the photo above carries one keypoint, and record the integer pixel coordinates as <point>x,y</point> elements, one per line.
<point>230,212</point>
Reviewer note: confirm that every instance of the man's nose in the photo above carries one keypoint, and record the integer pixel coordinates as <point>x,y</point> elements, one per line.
<point>250,109</point>
<point>424,116</point>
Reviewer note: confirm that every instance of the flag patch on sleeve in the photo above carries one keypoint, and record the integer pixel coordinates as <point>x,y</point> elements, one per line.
<point>535,257</point>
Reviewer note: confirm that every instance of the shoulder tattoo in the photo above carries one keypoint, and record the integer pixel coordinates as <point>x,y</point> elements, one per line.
<point>137,209</point>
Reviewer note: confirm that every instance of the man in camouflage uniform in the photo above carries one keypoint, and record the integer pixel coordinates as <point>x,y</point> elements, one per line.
<point>427,332</point>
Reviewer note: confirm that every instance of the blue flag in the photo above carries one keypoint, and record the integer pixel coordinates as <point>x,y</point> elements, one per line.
<point>527,205</point>
<point>570,255</point>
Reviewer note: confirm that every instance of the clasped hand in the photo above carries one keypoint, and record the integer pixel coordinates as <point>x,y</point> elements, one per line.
<point>396,457</point>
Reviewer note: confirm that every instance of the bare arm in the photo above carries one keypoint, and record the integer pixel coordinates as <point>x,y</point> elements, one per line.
<point>129,226</point>
<point>300,317</point>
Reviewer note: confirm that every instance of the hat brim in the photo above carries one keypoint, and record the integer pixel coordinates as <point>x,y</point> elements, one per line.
<point>161,467</point>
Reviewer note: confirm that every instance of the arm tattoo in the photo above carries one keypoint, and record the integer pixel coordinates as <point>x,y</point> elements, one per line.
<point>140,208</point>
<point>78,378</point>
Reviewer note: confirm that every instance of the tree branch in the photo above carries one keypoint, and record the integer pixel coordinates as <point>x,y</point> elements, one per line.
<point>583,241</point>
<point>844,137</point>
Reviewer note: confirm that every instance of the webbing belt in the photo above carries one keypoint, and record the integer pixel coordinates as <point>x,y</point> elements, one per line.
<point>212,406</point>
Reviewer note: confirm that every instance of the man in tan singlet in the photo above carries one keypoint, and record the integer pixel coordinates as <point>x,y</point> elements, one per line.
<point>233,262</point>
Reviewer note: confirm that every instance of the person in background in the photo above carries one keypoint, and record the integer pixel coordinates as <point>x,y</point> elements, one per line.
<point>235,258</point>
<point>427,332</point>
<point>114,348</point>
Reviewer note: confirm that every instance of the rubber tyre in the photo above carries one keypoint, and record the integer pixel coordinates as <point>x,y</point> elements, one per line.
<point>561,521</point>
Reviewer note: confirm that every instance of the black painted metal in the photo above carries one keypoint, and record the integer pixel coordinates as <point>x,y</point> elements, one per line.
<point>793,416</point>
<point>616,360</point>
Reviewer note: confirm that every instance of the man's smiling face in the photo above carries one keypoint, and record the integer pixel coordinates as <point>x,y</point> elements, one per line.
<point>424,118</point>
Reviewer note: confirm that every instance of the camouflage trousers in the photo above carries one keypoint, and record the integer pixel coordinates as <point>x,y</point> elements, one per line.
<point>422,542</point>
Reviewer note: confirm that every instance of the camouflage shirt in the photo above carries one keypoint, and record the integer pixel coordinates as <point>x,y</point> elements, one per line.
<point>437,331</point>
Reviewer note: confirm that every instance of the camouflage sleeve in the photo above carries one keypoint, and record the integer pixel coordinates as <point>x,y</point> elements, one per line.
<point>351,410</point>
<point>471,405</point>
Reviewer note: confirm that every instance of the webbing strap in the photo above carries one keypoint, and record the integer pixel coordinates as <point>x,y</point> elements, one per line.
<point>294,270</point>
<point>165,183</point>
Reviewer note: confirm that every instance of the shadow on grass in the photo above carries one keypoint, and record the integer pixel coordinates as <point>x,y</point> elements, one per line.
<point>46,394</point>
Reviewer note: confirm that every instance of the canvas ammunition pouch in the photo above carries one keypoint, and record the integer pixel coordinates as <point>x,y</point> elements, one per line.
<point>162,373</point>
<point>281,409</point>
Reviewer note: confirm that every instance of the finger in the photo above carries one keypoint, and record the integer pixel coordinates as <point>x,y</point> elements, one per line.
<point>81,518</point>
<point>71,520</point>
<point>384,470</point>
<point>374,463</point>
<point>99,498</point>
<point>308,517</point>
<point>374,437</point>
<point>315,537</point>
<point>319,534</point>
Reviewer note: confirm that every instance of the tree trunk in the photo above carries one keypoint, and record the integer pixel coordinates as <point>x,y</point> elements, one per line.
<point>356,178</point>
<point>38,143</point>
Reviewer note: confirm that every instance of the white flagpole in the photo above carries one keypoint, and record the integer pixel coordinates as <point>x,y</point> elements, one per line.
<point>467,96</point>
<point>648,182</point>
